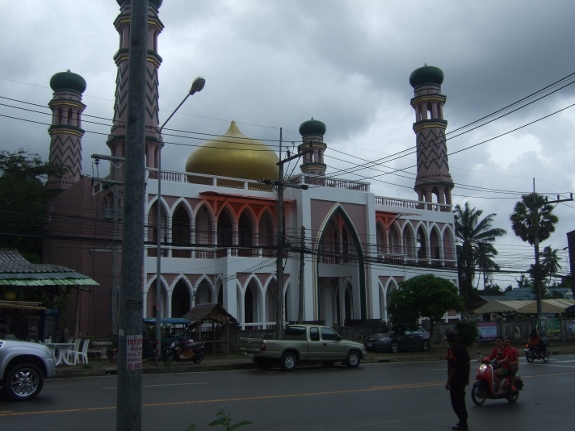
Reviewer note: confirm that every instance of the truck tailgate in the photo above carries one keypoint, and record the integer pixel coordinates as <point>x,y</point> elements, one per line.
<point>250,345</point>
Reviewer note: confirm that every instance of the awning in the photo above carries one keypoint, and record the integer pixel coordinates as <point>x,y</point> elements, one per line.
<point>21,305</point>
<point>502,306</point>
<point>15,270</point>
<point>548,306</point>
<point>48,282</point>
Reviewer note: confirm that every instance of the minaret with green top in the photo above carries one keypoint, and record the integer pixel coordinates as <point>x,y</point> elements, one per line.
<point>433,177</point>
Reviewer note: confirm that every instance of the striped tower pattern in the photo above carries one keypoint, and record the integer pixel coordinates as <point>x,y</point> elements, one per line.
<point>65,131</point>
<point>117,138</point>
<point>312,132</point>
<point>433,177</point>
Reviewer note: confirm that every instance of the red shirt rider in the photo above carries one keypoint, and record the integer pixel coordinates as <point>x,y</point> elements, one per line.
<point>502,354</point>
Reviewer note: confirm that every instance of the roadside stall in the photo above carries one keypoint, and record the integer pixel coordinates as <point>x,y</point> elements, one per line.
<point>211,324</point>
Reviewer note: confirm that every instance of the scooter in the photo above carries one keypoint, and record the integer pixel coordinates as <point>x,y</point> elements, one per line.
<point>184,349</point>
<point>486,384</point>
<point>532,352</point>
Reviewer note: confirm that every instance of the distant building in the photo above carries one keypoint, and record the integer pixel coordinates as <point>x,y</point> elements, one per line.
<point>219,222</point>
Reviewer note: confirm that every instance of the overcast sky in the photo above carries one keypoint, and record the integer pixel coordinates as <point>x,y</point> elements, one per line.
<point>274,64</point>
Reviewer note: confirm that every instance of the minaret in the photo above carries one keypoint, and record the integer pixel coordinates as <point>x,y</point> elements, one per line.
<point>433,177</point>
<point>66,130</point>
<point>312,132</point>
<point>117,138</point>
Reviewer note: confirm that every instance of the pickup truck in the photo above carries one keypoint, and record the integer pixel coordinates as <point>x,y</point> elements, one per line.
<point>23,368</point>
<point>303,343</point>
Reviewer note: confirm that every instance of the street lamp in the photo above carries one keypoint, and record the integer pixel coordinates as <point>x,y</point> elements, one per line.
<point>196,87</point>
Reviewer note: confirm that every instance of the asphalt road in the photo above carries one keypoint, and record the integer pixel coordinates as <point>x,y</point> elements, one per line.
<point>380,396</point>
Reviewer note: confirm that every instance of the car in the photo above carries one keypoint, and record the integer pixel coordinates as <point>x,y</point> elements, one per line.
<point>23,368</point>
<point>398,337</point>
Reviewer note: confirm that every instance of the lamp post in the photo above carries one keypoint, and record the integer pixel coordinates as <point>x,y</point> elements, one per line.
<point>196,87</point>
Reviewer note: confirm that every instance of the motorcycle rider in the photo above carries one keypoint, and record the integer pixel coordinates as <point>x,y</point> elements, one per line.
<point>513,362</point>
<point>536,341</point>
<point>501,354</point>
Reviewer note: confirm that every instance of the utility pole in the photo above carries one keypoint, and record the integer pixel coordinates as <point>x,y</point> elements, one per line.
<point>537,273</point>
<point>301,265</point>
<point>129,391</point>
<point>115,291</point>
<point>280,250</point>
<point>280,187</point>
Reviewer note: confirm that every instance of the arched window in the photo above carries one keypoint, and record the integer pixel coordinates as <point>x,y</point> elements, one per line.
<point>245,235</point>
<point>345,246</point>
<point>224,230</point>
<point>181,232</point>
<point>267,237</point>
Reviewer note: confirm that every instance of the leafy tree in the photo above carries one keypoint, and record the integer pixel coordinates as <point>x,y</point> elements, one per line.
<point>532,218</point>
<point>467,332</point>
<point>524,281</point>
<point>491,290</point>
<point>23,196</point>
<point>485,263</point>
<point>424,296</point>
<point>474,236</point>
<point>550,261</point>
<point>533,206</point>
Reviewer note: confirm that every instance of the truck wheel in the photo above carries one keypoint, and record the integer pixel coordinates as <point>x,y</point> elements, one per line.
<point>353,359</point>
<point>23,382</point>
<point>288,361</point>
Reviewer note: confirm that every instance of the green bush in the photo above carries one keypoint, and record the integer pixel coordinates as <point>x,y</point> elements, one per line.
<point>467,332</point>
<point>224,420</point>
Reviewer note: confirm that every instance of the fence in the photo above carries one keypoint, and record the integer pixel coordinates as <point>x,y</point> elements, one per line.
<point>556,329</point>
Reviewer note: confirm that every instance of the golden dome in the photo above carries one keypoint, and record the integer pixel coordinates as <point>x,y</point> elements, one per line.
<point>234,155</point>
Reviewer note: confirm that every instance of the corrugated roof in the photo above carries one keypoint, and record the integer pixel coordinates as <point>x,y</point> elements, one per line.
<point>15,270</point>
<point>501,306</point>
<point>548,306</point>
<point>213,312</point>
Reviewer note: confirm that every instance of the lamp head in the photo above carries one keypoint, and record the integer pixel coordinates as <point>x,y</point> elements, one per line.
<point>197,85</point>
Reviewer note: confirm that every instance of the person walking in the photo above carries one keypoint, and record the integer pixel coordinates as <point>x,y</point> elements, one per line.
<point>457,378</point>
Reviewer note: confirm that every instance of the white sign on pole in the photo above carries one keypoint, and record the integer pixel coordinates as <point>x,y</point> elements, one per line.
<point>134,352</point>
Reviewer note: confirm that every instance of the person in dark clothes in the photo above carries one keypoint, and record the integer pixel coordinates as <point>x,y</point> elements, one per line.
<point>457,378</point>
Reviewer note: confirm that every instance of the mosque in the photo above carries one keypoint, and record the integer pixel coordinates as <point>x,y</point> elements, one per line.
<point>343,250</point>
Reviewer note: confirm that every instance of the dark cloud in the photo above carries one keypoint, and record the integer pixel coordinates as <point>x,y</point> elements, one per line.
<point>271,65</point>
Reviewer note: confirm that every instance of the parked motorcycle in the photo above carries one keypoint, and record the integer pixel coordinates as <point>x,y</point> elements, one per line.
<point>536,352</point>
<point>486,384</point>
<point>184,349</point>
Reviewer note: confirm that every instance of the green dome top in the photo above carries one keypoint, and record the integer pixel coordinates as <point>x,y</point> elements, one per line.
<point>68,81</point>
<point>426,75</point>
<point>156,3</point>
<point>312,127</point>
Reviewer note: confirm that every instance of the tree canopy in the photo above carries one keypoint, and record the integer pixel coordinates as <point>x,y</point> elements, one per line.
<point>424,296</point>
<point>531,207</point>
<point>23,197</point>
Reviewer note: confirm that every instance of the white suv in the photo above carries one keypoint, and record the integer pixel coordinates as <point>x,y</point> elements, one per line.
<point>23,368</point>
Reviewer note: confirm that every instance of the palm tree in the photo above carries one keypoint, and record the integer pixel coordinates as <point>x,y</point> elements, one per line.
<point>550,261</point>
<point>485,263</point>
<point>474,235</point>
<point>533,221</point>
<point>533,206</point>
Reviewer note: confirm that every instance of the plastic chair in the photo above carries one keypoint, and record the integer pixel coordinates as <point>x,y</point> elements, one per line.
<point>74,355</point>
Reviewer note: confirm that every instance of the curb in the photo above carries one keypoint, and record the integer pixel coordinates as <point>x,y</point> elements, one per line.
<point>238,363</point>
